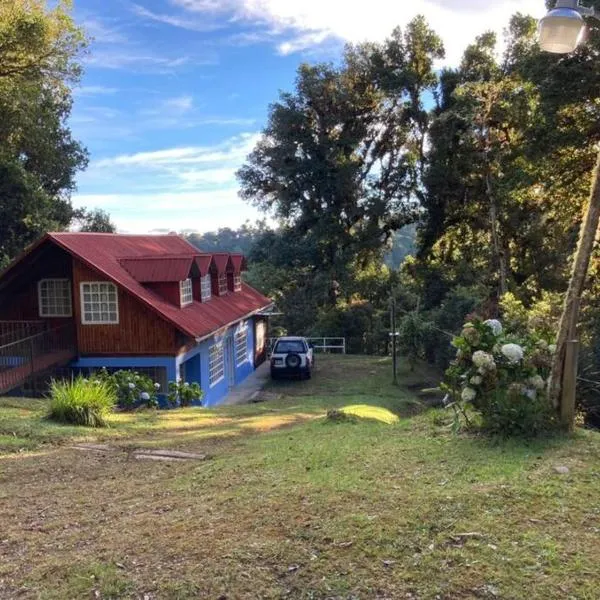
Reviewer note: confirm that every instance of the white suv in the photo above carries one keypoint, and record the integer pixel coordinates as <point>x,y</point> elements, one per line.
<point>292,356</point>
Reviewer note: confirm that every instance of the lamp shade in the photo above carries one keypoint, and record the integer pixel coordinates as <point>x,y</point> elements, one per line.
<point>561,30</point>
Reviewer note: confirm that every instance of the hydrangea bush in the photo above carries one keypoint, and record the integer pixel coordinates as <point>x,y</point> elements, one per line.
<point>183,393</point>
<point>502,376</point>
<point>131,388</point>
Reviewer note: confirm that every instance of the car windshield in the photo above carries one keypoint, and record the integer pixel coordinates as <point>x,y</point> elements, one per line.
<point>284,346</point>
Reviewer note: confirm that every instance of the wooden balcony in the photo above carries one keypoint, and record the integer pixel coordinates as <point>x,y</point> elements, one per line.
<point>27,356</point>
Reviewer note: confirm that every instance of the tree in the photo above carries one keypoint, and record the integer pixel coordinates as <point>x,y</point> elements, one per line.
<point>39,62</point>
<point>93,221</point>
<point>340,159</point>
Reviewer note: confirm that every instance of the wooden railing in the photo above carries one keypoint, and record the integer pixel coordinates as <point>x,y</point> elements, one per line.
<point>13,331</point>
<point>23,358</point>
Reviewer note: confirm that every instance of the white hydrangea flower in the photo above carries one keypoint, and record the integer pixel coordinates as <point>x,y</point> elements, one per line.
<point>483,361</point>
<point>513,352</point>
<point>145,396</point>
<point>543,344</point>
<point>468,394</point>
<point>531,394</point>
<point>186,384</point>
<point>157,386</point>
<point>494,325</point>
<point>131,385</point>
<point>476,380</point>
<point>537,382</point>
<point>552,348</point>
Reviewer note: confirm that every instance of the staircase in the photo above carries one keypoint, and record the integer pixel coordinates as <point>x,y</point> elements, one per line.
<point>23,358</point>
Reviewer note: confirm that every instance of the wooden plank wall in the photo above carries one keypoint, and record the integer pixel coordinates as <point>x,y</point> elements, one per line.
<point>19,300</point>
<point>140,331</point>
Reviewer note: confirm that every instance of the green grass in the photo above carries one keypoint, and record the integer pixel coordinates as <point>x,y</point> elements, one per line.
<point>315,509</point>
<point>80,401</point>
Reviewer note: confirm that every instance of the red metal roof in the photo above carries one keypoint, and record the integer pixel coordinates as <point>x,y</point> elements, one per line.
<point>239,263</point>
<point>203,262</point>
<point>147,270</point>
<point>105,251</point>
<point>221,262</point>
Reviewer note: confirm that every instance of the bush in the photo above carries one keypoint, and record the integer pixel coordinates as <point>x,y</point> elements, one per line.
<point>130,387</point>
<point>503,377</point>
<point>81,402</point>
<point>413,335</point>
<point>184,393</point>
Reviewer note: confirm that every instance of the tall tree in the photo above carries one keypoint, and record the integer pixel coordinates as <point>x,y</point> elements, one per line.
<point>340,159</point>
<point>40,50</point>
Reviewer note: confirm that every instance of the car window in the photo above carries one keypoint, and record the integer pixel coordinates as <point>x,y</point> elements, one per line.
<point>284,346</point>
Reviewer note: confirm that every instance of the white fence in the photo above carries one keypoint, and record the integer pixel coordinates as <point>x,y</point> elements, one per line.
<point>327,345</point>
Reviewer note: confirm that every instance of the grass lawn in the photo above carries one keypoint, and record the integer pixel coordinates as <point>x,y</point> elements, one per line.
<point>291,506</point>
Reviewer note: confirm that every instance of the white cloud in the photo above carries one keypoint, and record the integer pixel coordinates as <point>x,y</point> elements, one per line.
<point>94,90</point>
<point>174,20</point>
<point>306,23</point>
<point>233,150</point>
<point>102,33</point>
<point>176,188</point>
<point>180,104</point>
<point>124,59</point>
<point>194,210</point>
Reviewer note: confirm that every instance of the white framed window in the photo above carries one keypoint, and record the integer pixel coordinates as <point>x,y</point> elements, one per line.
<point>216,364</point>
<point>241,347</point>
<point>186,294</point>
<point>237,282</point>
<point>54,298</point>
<point>222,284</point>
<point>99,303</point>
<point>205,288</point>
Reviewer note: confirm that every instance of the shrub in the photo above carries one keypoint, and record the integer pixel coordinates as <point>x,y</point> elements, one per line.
<point>503,377</point>
<point>81,402</point>
<point>413,335</point>
<point>184,393</point>
<point>130,387</point>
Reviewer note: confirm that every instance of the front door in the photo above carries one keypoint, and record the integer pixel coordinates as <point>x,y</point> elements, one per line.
<point>229,362</point>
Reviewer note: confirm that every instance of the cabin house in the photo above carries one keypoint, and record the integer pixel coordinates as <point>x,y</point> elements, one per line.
<point>153,303</point>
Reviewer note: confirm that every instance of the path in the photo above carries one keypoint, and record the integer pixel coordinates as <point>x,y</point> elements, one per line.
<point>254,383</point>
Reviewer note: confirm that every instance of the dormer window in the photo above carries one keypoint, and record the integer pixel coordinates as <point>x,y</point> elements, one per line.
<point>222,284</point>
<point>205,288</point>
<point>186,293</point>
<point>237,283</point>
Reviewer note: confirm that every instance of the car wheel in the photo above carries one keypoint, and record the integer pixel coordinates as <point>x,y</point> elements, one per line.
<point>293,361</point>
<point>308,374</point>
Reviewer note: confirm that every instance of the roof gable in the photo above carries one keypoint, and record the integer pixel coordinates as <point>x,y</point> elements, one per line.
<point>221,262</point>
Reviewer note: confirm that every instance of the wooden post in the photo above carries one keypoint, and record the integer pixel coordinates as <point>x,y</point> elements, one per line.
<point>570,315</point>
<point>394,337</point>
<point>569,387</point>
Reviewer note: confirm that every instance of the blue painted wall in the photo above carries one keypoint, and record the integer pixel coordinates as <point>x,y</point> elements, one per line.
<point>195,363</point>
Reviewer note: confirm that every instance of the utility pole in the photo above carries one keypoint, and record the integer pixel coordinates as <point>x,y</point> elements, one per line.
<point>394,335</point>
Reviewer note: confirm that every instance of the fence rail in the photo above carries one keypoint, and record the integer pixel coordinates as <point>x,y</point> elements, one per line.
<point>13,331</point>
<point>21,359</point>
<point>327,345</point>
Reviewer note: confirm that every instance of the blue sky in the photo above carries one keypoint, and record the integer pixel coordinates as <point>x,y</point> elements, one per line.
<point>176,92</point>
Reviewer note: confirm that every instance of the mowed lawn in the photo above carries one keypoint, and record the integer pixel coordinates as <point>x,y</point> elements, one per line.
<point>289,505</point>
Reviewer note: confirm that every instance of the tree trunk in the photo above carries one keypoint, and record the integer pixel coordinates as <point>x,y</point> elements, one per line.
<point>568,321</point>
<point>497,247</point>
